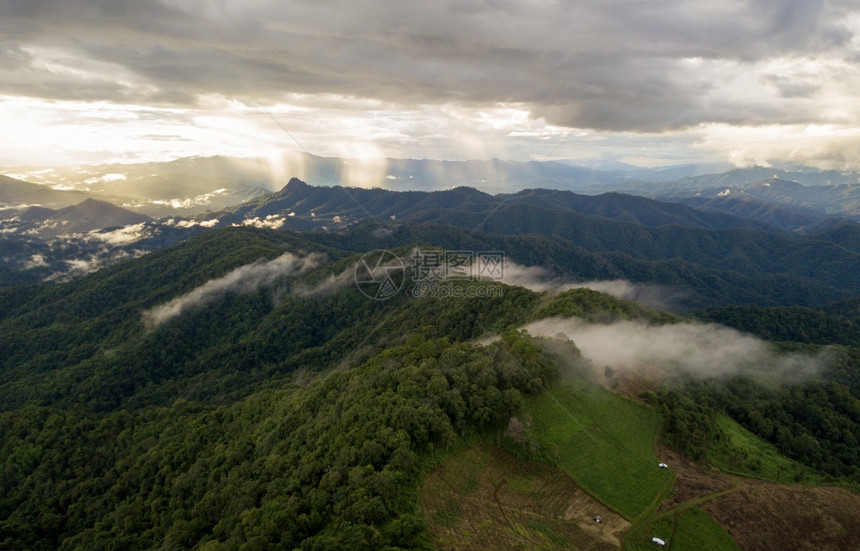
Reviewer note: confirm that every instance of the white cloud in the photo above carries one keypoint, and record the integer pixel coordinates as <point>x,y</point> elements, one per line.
<point>329,285</point>
<point>538,279</point>
<point>36,261</point>
<point>272,221</point>
<point>706,350</point>
<point>244,279</point>
<point>121,236</point>
<point>457,79</point>
<point>82,266</point>
<point>211,223</point>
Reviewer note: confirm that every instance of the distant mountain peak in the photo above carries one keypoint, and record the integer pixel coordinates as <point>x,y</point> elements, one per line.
<point>776,181</point>
<point>94,203</point>
<point>467,191</point>
<point>295,184</point>
<point>99,207</point>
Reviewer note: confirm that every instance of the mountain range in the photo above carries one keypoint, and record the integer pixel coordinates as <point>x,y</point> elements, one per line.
<point>86,216</point>
<point>783,203</point>
<point>238,390</point>
<point>187,186</point>
<point>18,193</point>
<point>221,378</point>
<point>647,241</point>
<point>610,223</point>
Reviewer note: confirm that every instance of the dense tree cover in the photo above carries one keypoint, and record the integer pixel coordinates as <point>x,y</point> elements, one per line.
<point>599,307</point>
<point>745,250</point>
<point>195,432</point>
<point>787,323</point>
<point>848,308</point>
<point>333,465</point>
<point>230,347</point>
<point>769,282</point>
<point>703,286</point>
<point>816,422</point>
<point>304,420</point>
<point>690,425</point>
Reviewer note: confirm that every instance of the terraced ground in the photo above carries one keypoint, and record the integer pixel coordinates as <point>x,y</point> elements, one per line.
<point>485,498</point>
<point>604,442</point>
<point>595,453</point>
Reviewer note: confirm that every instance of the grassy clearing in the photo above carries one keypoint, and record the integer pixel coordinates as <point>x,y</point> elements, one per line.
<point>605,442</point>
<point>690,529</point>
<point>639,538</point>
<point>743,453</point>
<point>482,498</point>
<point>697,530</point>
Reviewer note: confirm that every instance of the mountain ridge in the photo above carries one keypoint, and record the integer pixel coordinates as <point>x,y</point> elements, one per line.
<point>351,203</point>
<point>185,184</point>
<point>741,247</point>
<point>291,410</point>
<point>88,215</point>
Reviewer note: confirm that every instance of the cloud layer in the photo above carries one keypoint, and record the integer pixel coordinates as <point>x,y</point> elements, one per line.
<point>608,65</point>
<point>698,349</point>
<point>595,64</point>
<point>539,280</point>
<point>244,279</point>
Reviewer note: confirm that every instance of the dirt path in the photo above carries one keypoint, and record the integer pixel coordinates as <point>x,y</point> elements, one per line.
<point>485,499</point>
<point>763,515</point>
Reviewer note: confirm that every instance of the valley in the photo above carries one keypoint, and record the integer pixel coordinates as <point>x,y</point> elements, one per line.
<point>225,384</point>
<point>344,421</point>
<point>440,276</point>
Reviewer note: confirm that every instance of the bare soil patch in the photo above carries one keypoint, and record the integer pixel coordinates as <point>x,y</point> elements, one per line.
<point>770,516</point>
<point>692,481</point>
<point>483,498</point>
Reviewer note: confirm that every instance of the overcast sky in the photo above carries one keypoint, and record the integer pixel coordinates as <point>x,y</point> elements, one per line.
<point>649,82</point>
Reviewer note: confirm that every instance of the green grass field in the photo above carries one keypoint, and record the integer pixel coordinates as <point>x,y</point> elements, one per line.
<point>696,530</point>
<point>605,442</point>
<point>745,454</point>
<point>482,498</point>
<point>691,529</point>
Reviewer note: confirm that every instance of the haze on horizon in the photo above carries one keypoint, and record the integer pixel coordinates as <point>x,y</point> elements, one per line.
<point>649,83</point>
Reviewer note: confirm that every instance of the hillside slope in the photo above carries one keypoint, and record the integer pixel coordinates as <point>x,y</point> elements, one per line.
<point>239,390</point>
<point>637,227</point>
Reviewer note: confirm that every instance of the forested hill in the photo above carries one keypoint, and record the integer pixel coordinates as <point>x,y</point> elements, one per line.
<point>687,283</point>
<point>238,391</point>
<point>236,421</point>
<point>830,325</point>
<point>350,203</point>
<point>674,241</point>
<point>610,223</point>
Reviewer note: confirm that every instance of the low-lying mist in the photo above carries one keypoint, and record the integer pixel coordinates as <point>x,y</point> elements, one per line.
<point>538,279</point>
<point>244,279</point>
<point>697,349</point>
<point>327,286</point>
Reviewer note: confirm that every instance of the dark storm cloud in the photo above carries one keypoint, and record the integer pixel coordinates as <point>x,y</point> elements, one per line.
<point>604,64</point>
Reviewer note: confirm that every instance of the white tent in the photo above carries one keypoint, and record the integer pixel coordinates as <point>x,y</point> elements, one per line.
<point>658,541</point>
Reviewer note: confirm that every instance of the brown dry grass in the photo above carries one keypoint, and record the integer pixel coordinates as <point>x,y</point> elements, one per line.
<point>483,498</point>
